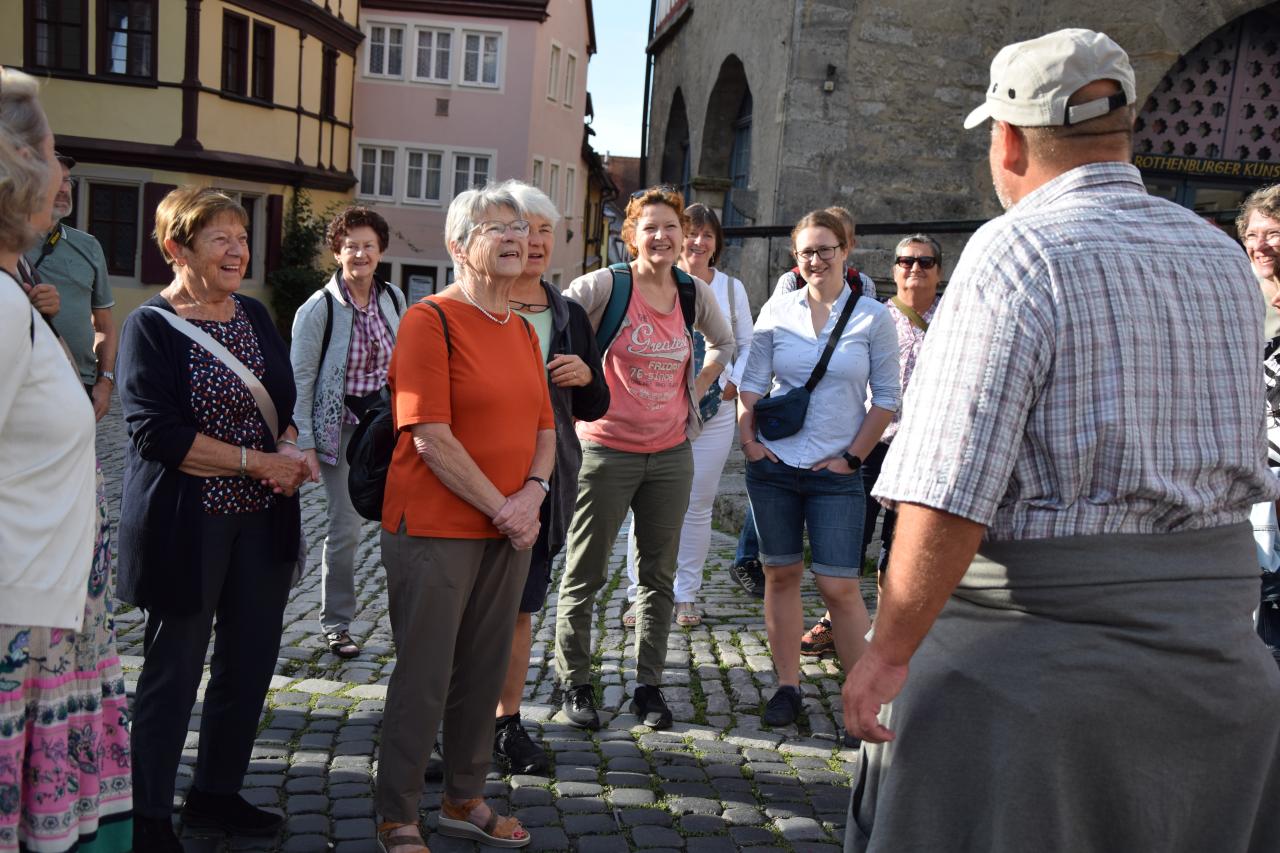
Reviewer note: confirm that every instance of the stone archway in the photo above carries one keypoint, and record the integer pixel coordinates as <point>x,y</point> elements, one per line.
<point>676,156</point>
<point>722,136</point>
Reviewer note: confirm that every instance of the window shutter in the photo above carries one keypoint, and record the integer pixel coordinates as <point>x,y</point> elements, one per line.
<point>154,268</point>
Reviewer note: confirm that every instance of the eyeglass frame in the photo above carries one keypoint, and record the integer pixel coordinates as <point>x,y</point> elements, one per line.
<point>519,227</point>
<point>822,253</point>
<point>906,262</point>
<point>1271,238</point>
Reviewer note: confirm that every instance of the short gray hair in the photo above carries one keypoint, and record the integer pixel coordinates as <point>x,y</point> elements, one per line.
<point>467,207</point>
<point>924,240</point>
<point>532,201</point>
<point>24,174</point>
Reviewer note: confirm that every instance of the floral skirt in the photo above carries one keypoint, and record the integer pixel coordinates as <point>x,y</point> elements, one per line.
<point>65,778</point>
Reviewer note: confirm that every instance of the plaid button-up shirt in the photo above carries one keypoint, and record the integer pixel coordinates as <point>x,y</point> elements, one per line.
<point>1093,369</point>
<point>369,354</point>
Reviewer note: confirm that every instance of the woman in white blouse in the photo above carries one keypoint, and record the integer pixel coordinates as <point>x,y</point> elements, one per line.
<point>809,479</point>
<point>702,247</point>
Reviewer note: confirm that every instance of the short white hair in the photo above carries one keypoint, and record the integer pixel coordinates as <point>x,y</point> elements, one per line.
<point>533,201</point>
<point>467,208</point>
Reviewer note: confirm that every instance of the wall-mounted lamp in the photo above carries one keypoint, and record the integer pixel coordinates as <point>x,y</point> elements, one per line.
<point>829,85</point>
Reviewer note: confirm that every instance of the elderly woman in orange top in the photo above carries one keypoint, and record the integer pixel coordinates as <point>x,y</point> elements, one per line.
<point>468,477</point>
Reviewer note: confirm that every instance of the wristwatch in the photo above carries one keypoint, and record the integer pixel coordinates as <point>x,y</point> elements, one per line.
<point>108,375</point>
<point>854,462</point>
<point>546,487</point>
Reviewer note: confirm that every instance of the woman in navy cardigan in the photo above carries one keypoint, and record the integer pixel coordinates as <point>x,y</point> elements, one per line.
<point>209,518</point>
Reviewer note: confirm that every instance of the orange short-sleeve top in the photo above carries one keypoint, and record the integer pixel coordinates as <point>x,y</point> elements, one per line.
<point>491,391</point>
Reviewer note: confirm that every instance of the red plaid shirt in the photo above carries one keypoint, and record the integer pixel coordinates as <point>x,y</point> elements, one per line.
<point>369,353</point>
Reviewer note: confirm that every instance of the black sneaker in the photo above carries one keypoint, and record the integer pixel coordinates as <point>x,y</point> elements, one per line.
<point>850,741</point>
<point>783,708</point>
<point>749,575</point>
<point>152,835</point>
<point>580,706</point>
<point>649,706</point>
<point>435,764</point>
<point>513,747</point>
<point>229,812</point>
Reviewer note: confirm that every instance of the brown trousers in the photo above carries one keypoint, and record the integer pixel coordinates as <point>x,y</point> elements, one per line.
<point>453,608</point>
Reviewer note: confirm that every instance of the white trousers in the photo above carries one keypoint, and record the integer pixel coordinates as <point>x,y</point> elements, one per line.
<point>710,450</point>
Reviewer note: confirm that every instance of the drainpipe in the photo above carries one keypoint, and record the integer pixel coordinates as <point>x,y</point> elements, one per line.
<point>648,82</point>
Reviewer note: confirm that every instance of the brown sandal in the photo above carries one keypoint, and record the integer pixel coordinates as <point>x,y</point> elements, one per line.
<point>498,831</point>
<point>388,842</point>
<point>341,644</point>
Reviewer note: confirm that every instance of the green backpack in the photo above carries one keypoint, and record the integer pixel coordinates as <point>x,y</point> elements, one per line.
<point>616,309</point>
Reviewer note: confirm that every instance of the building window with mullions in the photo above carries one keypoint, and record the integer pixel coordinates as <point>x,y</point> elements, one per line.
<point>127,38</point>
<point>55,35</point>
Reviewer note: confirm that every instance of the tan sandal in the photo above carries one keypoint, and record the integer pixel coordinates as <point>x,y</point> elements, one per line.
<point>687,614</point>
<point>388,843</point>
<point>497,831</point>
<point>629,618</point>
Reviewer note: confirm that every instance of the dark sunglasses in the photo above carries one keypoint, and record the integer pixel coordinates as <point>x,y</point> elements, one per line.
<point>906,261</point>
<point>666,188</point>
<point>528,307</point>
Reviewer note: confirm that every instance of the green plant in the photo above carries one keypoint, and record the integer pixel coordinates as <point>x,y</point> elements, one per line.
<point>297,276</point>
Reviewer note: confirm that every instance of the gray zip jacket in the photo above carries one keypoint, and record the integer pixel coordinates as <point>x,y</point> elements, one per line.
<point>319,409</point>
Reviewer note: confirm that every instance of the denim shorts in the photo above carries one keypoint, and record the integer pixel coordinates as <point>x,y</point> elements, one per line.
<point>786,501</point>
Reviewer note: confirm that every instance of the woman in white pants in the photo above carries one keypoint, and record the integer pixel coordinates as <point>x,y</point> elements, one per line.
<point>702,249</point>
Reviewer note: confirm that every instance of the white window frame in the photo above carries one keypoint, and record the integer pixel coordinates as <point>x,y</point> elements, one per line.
<point>434,33</point>
<point>570,78</point>
<point>499,65</point>
<point>553,71</point>
<point>426,153</point>
<point>569,208</point>
<point>557,279</point>
<point>388,27</point>
<point>553,183</point>
<point>536,175</point>
<point>381,148</point>
<point>453,168</point>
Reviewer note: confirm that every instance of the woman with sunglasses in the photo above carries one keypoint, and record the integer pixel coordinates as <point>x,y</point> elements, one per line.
<point>578,392</point>
<point>810,478</point>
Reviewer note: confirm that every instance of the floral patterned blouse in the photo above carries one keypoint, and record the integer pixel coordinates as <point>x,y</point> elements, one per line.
<point>910,339</point>
<point>225,410</point>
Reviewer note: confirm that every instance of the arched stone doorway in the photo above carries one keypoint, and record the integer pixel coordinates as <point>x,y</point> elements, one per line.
<point>724,161</point>
<point>677,157</point>
<point>1208,134</point>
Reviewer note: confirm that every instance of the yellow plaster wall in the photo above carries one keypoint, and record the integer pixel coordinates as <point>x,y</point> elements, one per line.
<point>231,125</point>
<point>11,40</point>
<point>79,108</point>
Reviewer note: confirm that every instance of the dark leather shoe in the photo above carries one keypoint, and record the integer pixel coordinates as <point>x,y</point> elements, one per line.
<point>435,764</point>
<point>152,835</point>
<point>749,575</point>
<point>647,704</point>
<point>783,707</point>
<point>580,706</point>
<point>229,812</point>
<point>513,747</point>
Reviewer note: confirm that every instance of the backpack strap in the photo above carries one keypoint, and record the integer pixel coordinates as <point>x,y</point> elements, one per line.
<point>615,311</point>
<point>688,296</point>
<point>391,290</point>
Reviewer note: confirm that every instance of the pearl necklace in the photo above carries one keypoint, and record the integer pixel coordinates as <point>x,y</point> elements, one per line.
<point>480,307</point>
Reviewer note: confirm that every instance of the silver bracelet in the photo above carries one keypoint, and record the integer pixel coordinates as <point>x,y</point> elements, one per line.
<point>288,441</point>
<point>244,460</point>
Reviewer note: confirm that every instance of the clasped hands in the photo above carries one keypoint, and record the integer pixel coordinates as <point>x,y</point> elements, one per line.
<point>284,471</point>
<point>518,519</point>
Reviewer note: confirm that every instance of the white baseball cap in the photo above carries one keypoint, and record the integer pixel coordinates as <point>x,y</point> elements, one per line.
<point>1032,80</point>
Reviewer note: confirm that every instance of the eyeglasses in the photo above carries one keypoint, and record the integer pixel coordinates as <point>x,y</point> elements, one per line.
<point>822,253</point>
<point>908,261</point>
<point>528,307</point>
<point>1271,238</point>
<point>496,228</point>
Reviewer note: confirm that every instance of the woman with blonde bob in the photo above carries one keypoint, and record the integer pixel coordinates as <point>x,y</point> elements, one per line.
<point>468,477</point>
<point>64,739</point>
<point>638,455</point>
<point>209,515</point>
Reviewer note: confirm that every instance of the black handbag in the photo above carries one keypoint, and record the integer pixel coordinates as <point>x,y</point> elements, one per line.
<point>779,417</point>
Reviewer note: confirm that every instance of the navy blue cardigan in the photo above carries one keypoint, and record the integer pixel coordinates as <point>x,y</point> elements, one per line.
<point>160,544</point>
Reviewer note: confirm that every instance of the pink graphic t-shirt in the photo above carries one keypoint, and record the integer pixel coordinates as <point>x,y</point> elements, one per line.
<point>645,368</point>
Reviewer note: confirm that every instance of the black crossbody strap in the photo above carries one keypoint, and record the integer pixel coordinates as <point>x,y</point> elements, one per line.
<point>820,369</point>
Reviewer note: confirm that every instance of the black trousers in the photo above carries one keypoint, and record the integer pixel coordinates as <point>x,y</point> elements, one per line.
<point>244,595</point>
<point>870,473</point>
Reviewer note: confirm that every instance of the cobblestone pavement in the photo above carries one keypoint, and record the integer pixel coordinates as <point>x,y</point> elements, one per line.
<point>717,781</point>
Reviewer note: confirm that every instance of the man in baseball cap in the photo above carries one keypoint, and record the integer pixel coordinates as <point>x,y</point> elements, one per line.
<point>1073,574</point>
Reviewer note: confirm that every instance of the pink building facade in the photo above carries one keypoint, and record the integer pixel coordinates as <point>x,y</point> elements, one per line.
<point>451,95</point>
